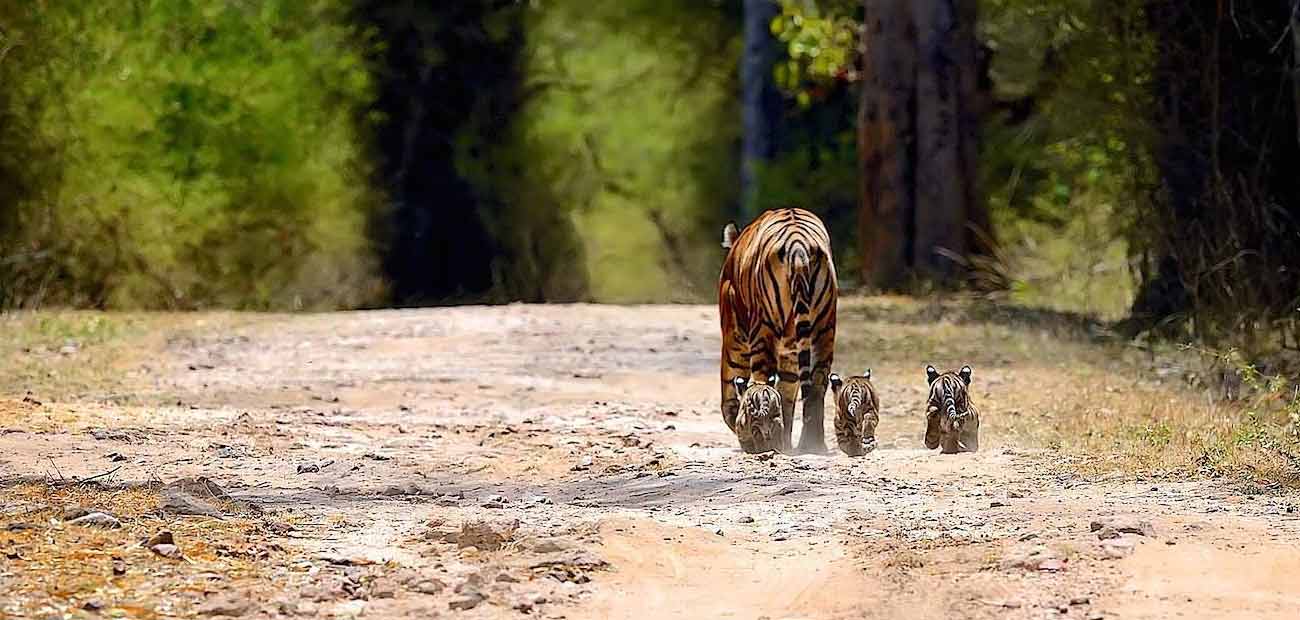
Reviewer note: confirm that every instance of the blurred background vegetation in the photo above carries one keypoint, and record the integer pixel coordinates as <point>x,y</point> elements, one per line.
<point>1135,159</point>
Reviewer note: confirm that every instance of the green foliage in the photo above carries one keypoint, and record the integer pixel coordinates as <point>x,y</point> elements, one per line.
<point>185,154</point>
<point>821,44</point>
<point>627,135</point>
<point>1066,155</point>
<point>1273,396</point>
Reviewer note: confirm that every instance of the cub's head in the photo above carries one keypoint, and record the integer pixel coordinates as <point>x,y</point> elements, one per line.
<point>759,425</point>
<point>857,413</point>
<point>951,420</point>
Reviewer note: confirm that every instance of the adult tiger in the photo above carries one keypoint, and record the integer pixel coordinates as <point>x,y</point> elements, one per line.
<point>776,298</point>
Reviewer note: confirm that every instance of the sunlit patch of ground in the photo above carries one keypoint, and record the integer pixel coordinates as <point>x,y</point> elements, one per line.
<point>50,567</point>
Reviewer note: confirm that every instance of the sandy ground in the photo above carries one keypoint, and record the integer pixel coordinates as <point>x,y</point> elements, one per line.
<point>588,439</point>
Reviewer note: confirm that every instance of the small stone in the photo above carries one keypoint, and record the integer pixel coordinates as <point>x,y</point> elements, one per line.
<point>576,558</point>
<point>231,604</point>
<point>1118,548</point>
<point>797,487</point>
<point>494,501</point>
<point>73,512</point>
<point>350,609</point>
<point>719,532</point>
<point>93,604</point>
<point>1096,615</point>
<point>1108,533</point>
<point>308,468</point>
<point>428,585</point>
<point>486,535</point>
<point>996,504</point>
<point>1124,525</point>
<point>170,552</point>
<point>584,464</point>
<point>507,578</point>
<point>383,588</point>
<point>745,519</point>
<point>97,519</point>
<point>1080,600</point>
<point>467,600</point>
<point>551,545</point>
<point>1016,495</point>
<point>197,496</point>
<point>1033,558</point>
<point>1052,565</point>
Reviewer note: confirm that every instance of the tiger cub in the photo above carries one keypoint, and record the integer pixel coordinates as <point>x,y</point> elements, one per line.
<point>951,421</point>
<point>857,412</point>
<point>760,427</point>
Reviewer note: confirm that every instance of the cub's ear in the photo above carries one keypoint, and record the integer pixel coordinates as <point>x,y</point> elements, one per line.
<point>964,373</point>
<point>867,374</point>
<point>773,380</point>
<point>729,234</point>
<point>739,383</point>
<point>836,382</point>
<point>931,374</point>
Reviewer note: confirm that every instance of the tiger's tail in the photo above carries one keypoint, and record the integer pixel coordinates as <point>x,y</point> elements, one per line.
<point>801,285</point>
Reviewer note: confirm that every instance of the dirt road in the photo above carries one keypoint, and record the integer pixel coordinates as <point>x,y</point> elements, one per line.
<point>569,462</point>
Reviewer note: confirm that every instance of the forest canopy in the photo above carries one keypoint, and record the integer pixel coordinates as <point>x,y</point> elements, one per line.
<point>347,153</point>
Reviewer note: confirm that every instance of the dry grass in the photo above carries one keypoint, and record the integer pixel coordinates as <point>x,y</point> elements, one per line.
<point>50,568</point>
<point>79,355</point>
<point>69,371</point>
<point>1061,381</point>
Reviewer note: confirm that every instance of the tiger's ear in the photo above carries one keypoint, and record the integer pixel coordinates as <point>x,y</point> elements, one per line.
<point>964,373</point>
<point>836,382</point>
<point>729,234</point>
<point>867,374</point>
<point>773,380</point>
<point>739,383</point>
<point>931,374</point>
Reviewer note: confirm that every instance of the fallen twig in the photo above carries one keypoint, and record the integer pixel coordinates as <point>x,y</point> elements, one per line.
<point>98,476</point>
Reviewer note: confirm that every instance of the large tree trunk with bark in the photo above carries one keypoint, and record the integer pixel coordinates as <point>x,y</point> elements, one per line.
<point>760,101</point>
<point>1295,63</point>
<point>921,214</point>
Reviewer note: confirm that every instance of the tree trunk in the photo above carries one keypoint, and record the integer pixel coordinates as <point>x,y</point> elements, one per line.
<point>760,102</point>
<point>921,214</point>
<point>1295,64</point>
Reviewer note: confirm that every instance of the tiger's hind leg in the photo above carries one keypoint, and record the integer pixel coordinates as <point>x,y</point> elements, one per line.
<point>812,438</point>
